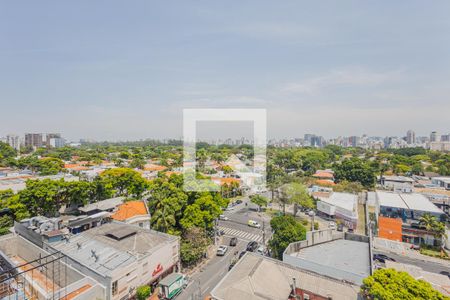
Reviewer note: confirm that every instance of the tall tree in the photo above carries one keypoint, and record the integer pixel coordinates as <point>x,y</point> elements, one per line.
<point>388,284</point>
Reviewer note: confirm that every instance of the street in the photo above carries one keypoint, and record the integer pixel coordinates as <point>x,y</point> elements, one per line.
<point>428,266</point>
<point>202,282</point>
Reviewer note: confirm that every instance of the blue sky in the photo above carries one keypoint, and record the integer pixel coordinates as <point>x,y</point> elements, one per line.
<point>125,70</point>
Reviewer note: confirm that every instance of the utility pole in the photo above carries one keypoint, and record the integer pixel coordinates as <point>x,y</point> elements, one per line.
<point>215,232</point>
<point>264,233</point>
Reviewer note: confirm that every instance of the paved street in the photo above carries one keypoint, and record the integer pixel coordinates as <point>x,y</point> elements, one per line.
<point>201,283</point>
<point>429,266</point>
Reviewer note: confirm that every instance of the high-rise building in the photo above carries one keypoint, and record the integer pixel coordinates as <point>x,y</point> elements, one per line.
<point>435,137</point>
<point>410,137</point>
<point>33,140</point>
<point>13,141</point>
<point>50,136</point>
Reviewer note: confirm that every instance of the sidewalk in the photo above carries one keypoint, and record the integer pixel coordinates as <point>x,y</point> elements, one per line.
<point>211,252</point>
<point>404,249</point>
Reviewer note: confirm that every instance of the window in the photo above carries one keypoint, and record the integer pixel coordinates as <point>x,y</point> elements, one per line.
<point>114,288</point>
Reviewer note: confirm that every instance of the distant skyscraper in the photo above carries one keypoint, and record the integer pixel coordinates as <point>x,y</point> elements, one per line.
<point>51,136</point>
<point>13,141</point>
<point>435,137</point>
<point>410,137</point>
<point>33,140</point>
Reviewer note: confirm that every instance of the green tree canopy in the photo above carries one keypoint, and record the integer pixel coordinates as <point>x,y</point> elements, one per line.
<point>286,230</point>
<point>126,182</point>
<point>388,284</point>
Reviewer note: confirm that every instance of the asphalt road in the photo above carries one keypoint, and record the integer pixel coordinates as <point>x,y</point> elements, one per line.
<point>201,283</point>
<point>428,266</point>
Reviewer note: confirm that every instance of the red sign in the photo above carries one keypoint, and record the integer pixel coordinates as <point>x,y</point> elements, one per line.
<point>159,268</point>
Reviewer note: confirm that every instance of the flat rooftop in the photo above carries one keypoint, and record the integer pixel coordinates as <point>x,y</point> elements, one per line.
<point>112,246</point>
<point>417,202</point>
<point>249,280</point>
<point>336,258</point>
<point>344,200</point>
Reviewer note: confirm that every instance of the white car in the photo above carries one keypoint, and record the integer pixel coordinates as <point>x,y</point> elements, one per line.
<point>254,224</point>
<point>260,250</point>
<point>332,225</point>
<point>222,250</point>
<point>223,218</point>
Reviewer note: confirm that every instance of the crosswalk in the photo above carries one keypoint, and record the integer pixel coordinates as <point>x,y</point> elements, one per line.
<point>242,234</point>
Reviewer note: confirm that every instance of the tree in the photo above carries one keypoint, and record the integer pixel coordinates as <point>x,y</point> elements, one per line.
<point>5,223</point>
<point>49,166</point>
<point>201,213</point>
<point>388,284</point>
<point>194,243</point>
<point>143,292</point>
<point>126,182</point>
<point>6,152</point>
<point>137,163</point>
<point>286,230</point>
<point>355,170</point>
<point>431,224</point>
<point>259,200</point>
<point>298,196</point>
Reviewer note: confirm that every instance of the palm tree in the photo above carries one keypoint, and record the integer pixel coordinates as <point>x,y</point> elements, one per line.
<point>428,221</point>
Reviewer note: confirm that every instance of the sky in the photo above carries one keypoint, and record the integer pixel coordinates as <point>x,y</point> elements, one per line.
<point>125,70</point>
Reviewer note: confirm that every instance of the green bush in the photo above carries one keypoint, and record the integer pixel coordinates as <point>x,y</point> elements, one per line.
<point>143,292</point>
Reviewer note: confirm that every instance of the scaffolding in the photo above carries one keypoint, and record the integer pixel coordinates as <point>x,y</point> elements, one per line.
<point>41,278</point>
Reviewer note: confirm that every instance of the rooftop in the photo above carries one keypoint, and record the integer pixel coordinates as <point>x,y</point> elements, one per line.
<point>398,178</point>
<point>129,210</point>
<point>249,280</point>
<point>103,205</point>
<point>344,200</point>
<point>338,257</point>
<point>112,246</point>
<point>413,201</point>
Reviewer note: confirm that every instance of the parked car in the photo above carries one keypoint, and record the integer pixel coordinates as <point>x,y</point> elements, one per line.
<point>222,250</point>
<point>382,258</point>
<point>260,250</point>
<point>340,227</point>
<point>223,218</point>
<point>331,225</point>
<point>350,230</point>
<point>233,241</point>
<point>238,201</point>
<point>252,246</point>
<point>255,224</point>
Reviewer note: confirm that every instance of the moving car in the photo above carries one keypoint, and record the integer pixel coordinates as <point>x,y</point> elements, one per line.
<point>254,224</point>
<point>222,250</point>
<point>233,241</point>
<point>242,254</point>
<point>238,201</point>
<point>252,246</point>
<point>332,225</point>
<point>223,218</point>
<point>445,273</point>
